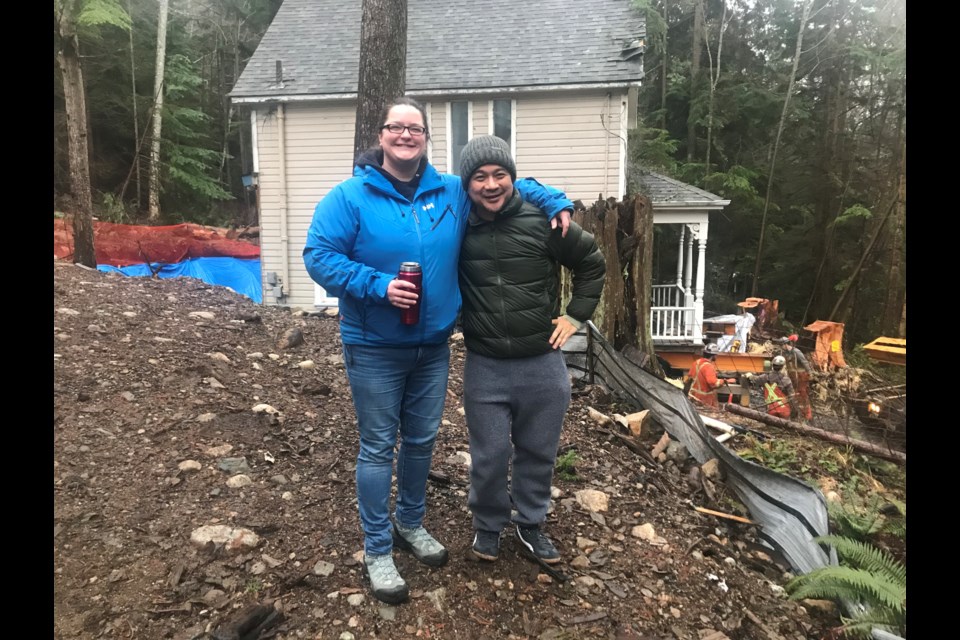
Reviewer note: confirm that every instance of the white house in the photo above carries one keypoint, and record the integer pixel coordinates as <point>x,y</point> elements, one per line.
<point>556,79</point>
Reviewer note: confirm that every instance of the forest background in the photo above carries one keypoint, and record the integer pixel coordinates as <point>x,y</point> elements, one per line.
<point>795,110</point>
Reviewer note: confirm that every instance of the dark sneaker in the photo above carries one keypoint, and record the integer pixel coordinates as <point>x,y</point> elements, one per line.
<point>421,544</point>
<point>386,584</point>
<point>534,542</point>
<point>486,545</point>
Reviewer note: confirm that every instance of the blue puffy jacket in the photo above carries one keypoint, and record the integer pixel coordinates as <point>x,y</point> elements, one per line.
<point>363,229</point>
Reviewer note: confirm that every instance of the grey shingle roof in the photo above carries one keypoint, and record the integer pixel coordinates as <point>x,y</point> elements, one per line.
<point>453,46</point>
<point>665,191</point>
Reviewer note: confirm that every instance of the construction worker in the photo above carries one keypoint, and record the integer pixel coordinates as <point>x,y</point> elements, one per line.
<point>798,368</point>
<point>777,388</point>
<point>702,380</point>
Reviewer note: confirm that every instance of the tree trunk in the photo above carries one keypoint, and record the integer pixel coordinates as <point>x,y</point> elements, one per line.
<point>903,317</point>
<point>714,78</point>
<point>68,58</point>
<point>892,308</point>
<point>642,274</point>
<point>773,157</point>
<point>383,66</point>
<point>841,308</point>
<point>860,445</point>
<point>624,234</point>
<point>663,71</point>
<point>694,77</point>
<point>158,91</point>
<point>602,220</point>
<point>136,121</point>
<point>831,168</point>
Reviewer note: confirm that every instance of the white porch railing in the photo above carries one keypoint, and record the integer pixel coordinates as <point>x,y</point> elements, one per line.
<point>671,324</point>
<point>667,295</point>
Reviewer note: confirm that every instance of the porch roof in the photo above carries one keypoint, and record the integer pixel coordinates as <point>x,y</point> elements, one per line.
<point>668,193</point>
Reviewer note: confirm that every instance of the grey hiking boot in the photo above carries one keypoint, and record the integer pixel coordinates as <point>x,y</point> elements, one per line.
<point>386,584</point>
<point>421,544</point>
<point>486,545</point>
<point>534,542</point>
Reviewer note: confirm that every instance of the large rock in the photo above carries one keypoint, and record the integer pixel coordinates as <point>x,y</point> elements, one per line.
<point>234,540</point>
<point>592,500</point>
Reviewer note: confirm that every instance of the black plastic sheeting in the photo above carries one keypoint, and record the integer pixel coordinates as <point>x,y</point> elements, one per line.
<point>791,513</point>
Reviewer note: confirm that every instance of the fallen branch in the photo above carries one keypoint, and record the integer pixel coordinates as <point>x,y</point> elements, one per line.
<point>881,452</point>
<point>721,514</point>
<point>630,444</point>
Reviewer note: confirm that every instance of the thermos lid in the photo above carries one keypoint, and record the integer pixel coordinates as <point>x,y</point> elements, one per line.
<point>409,267</point>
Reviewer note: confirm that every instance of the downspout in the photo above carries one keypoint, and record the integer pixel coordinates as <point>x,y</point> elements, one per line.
<point>606,147</point>
<point>279,292</point>
<point>255,154</point>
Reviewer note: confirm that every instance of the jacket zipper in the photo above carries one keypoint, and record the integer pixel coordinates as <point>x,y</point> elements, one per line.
<point>503,310</point>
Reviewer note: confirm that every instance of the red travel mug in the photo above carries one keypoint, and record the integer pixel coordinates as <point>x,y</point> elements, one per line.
<point>411,272</point>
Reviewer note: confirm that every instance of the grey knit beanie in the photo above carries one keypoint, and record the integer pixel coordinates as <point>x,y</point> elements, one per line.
<point>486,150</point>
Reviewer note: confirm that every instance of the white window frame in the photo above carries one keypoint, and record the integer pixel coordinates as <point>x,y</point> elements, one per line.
<point>426,107</point>
<point>470,136</point>
<point>513,124</point>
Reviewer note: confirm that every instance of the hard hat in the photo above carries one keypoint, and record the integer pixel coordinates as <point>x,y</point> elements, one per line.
<point>793,337</point>
<point>779,361</point>
<point>711,349</point>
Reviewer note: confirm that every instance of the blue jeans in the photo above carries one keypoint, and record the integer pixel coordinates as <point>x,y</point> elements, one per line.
<point>395,390</point>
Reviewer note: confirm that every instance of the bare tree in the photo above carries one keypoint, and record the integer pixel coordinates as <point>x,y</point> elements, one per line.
<point>807,5</point>
<point>383,66</point>
<point>136,122</point>
<point>157,113</point>
<point>694,77</point>
<point>714,74</point>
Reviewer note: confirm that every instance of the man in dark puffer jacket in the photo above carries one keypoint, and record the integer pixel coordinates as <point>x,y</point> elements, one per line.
<point>516,385</point>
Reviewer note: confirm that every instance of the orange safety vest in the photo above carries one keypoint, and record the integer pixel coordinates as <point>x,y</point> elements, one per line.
<point>707,396</point>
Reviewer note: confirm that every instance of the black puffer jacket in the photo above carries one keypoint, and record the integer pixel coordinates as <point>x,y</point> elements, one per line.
<point>509,272</point>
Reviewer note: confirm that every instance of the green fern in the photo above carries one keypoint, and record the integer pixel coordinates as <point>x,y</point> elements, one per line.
<point>869,578</point>
<point>867,557</point>
<point>855,520</point>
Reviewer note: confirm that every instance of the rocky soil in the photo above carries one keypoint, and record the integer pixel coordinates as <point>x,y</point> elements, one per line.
<point>203,481</point>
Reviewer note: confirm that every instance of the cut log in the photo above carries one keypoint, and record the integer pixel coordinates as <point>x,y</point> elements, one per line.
<point>866,447</point>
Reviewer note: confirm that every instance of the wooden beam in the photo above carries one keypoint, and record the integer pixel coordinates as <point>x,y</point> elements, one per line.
<point>866,447</point>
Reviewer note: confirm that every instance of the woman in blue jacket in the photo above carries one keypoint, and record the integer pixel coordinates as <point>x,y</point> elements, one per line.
<point>397,208</point>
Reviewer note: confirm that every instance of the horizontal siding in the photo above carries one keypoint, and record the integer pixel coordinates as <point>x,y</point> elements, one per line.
<point>438,135</point>
<point>319,155</point>
<point>481,118</point>
<point>572,142</point>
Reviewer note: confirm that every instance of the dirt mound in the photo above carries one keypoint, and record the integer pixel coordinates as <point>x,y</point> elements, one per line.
<point>167,391</point>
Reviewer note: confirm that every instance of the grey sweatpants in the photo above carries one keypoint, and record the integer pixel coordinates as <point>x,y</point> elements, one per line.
<point>515,409</point>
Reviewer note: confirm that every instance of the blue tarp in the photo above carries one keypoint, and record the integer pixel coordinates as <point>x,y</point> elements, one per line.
<point>242,276</point>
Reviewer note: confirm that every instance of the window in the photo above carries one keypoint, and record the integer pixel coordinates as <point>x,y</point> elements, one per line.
<point>501,120</point>
<point>459,133</point>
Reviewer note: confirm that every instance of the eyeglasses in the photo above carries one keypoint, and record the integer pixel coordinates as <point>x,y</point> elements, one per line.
<point>397,129</point>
